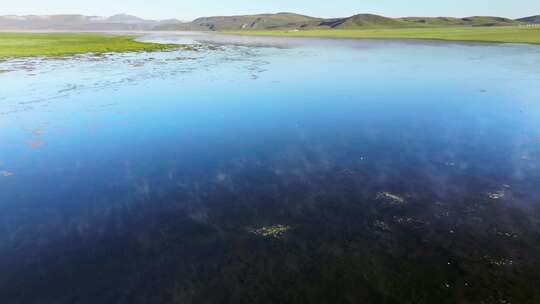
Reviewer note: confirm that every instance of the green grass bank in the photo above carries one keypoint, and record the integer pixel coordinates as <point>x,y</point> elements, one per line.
<point>501,34</point>
<point>15,45</point>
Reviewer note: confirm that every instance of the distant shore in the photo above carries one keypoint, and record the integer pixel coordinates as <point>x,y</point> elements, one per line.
<point>32,43</point>
<point>506,34</point>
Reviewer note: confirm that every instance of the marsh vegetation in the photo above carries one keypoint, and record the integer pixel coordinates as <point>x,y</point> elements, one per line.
<point>14,45</point>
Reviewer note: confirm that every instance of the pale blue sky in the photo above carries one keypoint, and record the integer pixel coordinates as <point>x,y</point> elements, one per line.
<point>189,9</point>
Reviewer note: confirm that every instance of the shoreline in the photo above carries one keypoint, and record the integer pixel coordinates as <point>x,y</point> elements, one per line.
<point>16,45</point>
<point>61,43</point>
<point>489,35</point>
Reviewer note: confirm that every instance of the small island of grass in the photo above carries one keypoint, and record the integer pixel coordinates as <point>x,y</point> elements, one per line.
<point>16,45</point>
<point>496,34</point>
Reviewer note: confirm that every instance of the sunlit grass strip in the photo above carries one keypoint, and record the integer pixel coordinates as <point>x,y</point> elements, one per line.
<point>501,34</point>
<point>15,45</point>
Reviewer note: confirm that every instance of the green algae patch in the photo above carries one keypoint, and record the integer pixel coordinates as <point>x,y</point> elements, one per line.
<point>276,231</point>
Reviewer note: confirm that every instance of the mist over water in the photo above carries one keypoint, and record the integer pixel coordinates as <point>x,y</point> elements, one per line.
<point>262,170</point>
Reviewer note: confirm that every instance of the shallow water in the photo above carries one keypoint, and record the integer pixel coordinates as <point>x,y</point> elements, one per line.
<point>263,170</point>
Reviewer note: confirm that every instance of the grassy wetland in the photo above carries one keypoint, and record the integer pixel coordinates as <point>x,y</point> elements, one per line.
<point>17,45</point>
<point>500,34</point>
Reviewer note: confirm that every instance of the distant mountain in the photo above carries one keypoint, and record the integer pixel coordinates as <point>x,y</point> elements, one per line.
<point>362,20</point>
<point>79,22</point>
<point>169,21</point>
<point>468,21</point>
<point>488,21</point>
<point>124,18</point>
<point>532,19</point>
<point>261,21</point>
<point>295,21</point>
<point>286,21</point>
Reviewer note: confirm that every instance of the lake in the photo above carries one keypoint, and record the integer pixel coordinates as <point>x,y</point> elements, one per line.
<point>264,170</point>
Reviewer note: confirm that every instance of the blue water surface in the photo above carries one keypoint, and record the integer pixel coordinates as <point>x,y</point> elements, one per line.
<point>275,126</point>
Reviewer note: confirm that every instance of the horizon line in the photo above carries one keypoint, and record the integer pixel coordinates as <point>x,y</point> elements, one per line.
<point>263,13</point>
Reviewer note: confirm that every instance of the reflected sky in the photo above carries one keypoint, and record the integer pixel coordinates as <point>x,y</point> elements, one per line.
<point>237,135</point>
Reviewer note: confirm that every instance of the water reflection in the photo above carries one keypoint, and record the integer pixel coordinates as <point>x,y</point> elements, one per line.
<point>321,172</point>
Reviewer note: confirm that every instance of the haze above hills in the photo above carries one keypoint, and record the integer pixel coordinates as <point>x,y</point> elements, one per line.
<point>80,22</point>
<point>246,22</point>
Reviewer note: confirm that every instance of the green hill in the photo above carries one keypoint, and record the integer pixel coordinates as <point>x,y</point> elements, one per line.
<point>248,22</point>
<point>432,21</point>
<point>361,21</point>
<point>531,19</point>
<point>449,21</point>
<point>489,21</point>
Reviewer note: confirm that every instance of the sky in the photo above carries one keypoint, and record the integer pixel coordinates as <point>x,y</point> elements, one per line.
<point>187,10</point>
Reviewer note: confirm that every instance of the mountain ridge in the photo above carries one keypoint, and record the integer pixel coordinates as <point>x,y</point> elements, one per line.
<point>270,21</point>
<point>532,19</point>
<point>286,20</point>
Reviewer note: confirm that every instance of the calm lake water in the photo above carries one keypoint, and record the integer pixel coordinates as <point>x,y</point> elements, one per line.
<point>260,170</point>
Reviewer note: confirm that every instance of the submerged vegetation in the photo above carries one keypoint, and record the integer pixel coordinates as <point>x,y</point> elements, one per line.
<point>502,34</point>
<point>15,45</point>
<point>276,231</point>
<point>5,173</point>
<point>390,198</point>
